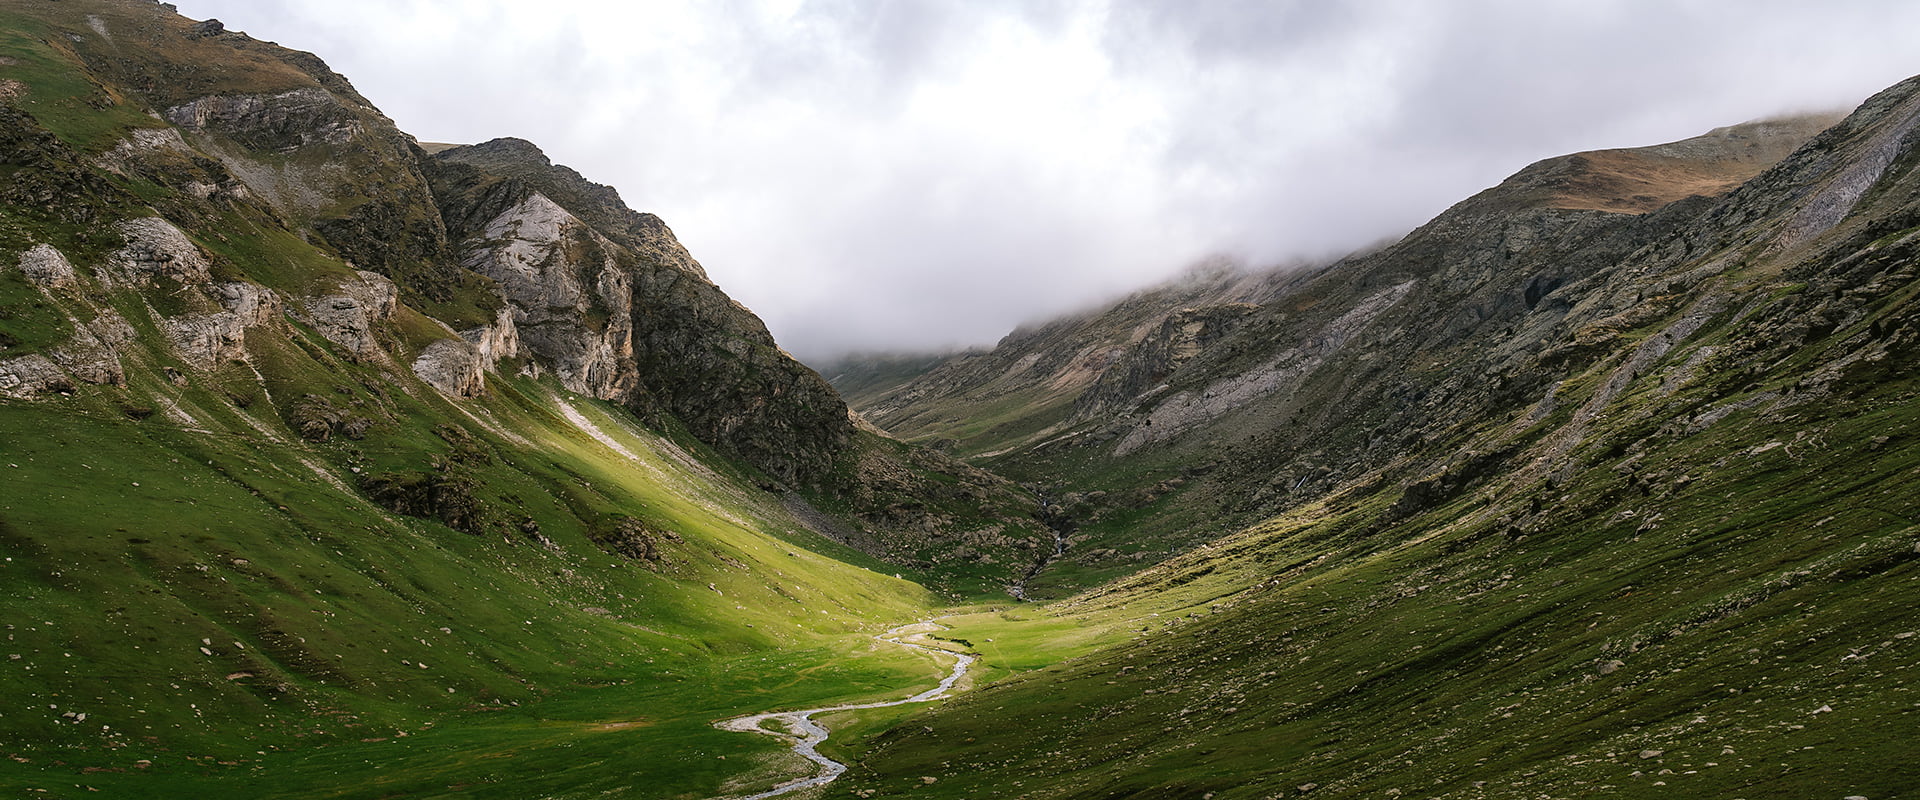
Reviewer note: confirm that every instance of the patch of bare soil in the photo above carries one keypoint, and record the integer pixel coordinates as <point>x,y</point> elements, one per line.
<point>621,726</point>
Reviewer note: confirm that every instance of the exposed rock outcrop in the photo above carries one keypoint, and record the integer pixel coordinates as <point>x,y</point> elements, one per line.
<point>210,340</point>
<point>31,375</point>
<point>348,315</point>
<point>612,302</point>
<point>347,146</point>
<point>47,267</point>
<point>1182,411</point>
<point>1147,363</point>
<point>155,248</point>
<point>451,366</point>
<point>570,297</point>
<point>141,145</point>
<point>288,120</point>
<point>459,367</point>
<point>91,355</point>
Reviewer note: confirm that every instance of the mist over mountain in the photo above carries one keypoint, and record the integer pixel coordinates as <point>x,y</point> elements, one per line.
<point>932,174</point>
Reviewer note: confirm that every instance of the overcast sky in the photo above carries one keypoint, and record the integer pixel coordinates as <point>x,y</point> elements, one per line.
<point>872,175</point>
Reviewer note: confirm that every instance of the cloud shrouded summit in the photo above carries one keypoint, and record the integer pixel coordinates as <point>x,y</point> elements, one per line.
<point>900,175</point>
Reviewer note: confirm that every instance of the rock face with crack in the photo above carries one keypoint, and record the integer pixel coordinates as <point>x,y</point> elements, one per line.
<point>155,249</point>
<point>459,366</point>
<point>47,267</point>
<point>348,315</point>
<point>611,302</point>
<point>208,340</point>
<point>570,297</point>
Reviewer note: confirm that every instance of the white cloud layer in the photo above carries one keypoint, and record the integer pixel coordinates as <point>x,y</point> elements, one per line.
<point>909,174</point>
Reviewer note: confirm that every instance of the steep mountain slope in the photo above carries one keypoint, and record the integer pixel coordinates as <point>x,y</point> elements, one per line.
<point>618,310</point>
<point>624,313</point>
<point>1554,502</point>
<point>1205,415</point>
<point>321,451</point>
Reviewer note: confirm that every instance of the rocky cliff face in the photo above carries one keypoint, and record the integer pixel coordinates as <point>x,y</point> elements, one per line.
<point>620,311</point>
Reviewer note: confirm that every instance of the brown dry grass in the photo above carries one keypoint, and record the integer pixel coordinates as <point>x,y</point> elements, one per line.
<point>1629,182</point>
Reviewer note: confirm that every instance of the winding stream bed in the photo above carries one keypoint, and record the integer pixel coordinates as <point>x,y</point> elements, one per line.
<point>807,735</point>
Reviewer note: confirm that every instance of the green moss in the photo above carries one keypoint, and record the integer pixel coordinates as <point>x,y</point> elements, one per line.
<point>264,253</point>
<point>29,321</point>
<point>472,300</point>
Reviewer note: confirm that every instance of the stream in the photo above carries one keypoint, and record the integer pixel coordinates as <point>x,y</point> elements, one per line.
<point>807,734</point>
<point>1057,521</point>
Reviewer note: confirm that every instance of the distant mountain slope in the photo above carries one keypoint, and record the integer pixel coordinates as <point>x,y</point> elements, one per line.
<point>1543,501</point>
<point>1030,384</point>
<point>859,377</point>
<point>1637,180</point>
<point>1201,412</point>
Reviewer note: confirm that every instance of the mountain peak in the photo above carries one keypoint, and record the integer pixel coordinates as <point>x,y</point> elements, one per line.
<point>507,151</point>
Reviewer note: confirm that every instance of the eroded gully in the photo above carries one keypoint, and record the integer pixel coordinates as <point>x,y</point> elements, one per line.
<point>1056,520</point>
<point>806,734</point>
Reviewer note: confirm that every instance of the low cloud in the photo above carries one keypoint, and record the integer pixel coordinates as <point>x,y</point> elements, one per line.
<point>892,175</point>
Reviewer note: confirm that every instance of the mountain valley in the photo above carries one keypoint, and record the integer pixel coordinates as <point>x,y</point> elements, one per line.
<point>342,465</point>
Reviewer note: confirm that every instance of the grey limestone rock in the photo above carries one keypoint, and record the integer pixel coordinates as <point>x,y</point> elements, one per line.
<point>93,354</point>
<point>570,298</point>
<point>155,248</point>
<point>209,340</point>
<point>453,367</point>
<point>347,316</point>
<point>47,267</point>
<point>31,375</point>
<point>459,367</point>
<point>289,119</point>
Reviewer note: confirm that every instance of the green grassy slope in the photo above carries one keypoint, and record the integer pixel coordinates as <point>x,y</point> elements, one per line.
<point>208,595</point>
<point>1747,625</point>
